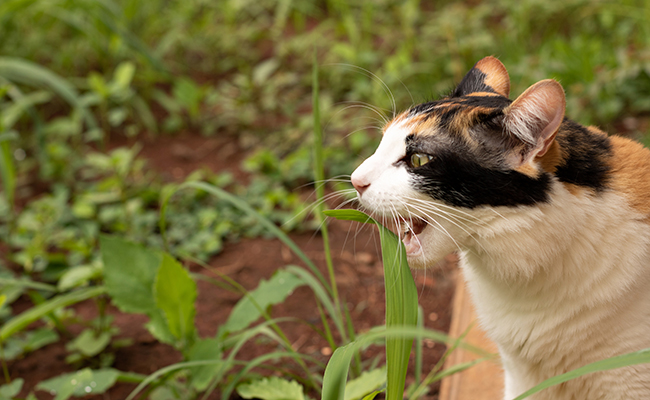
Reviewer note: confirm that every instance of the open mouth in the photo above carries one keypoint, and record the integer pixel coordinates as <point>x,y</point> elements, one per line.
<point>412,228</point>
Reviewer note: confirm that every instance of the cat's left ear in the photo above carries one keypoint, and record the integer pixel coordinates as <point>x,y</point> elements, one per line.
<point>535,117</point>
<point>487,75</point>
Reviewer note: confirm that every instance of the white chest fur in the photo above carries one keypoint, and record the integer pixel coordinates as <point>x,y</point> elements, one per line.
<point>561,285</point>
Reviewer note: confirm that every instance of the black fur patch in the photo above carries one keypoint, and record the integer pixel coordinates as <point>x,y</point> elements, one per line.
<point>459,177</point>
<point>473,81</point>
<point>586,160</point>
<point>454,177</point>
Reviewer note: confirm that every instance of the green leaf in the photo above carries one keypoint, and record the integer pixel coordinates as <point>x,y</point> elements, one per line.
<point>7,171</point>
<point>124,74</point>
<point>336,372</point>
<point>372,395</point>
<point>21,321</point>
<point>264,70</point>
<point>29,73</point>
<point>204,349</point>
<point>80,383</point>
<point>366,383</point>
<point>89,343</point>
<point>29,341</point>
<point>349,215</point>
<point>272,388</point>
<point>159,327</point>
<point>401,309</point>
<point>11,390</point>
<point>78,276</point>
<point>175,294</point>
<point>401,303</point>
<point>267,293</point>
<point>129,273</point>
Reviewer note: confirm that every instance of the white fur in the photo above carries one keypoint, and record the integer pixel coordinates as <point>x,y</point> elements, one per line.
<point>556,285</point>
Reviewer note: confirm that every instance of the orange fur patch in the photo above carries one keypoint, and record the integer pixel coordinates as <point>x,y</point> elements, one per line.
<point>631,173</point>
<point>496,75</point>
<point>552,158</point>
<point>529,170</point>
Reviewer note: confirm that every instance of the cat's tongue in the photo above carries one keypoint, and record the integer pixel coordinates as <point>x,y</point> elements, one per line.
<point>410,239</point>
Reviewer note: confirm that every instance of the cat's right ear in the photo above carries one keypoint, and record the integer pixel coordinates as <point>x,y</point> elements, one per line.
<point>535,117</point>
<point>487,75</point>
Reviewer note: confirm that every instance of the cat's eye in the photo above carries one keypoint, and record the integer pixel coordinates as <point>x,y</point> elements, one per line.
<point>418,159</point>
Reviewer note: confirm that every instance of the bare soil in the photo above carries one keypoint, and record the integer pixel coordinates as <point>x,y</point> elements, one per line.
<point>359,276</point>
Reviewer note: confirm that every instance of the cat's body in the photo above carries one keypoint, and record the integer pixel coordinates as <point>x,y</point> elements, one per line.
<point>552,221</point>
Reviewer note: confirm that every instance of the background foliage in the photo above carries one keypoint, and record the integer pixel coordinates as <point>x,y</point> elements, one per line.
<point>79,76</point>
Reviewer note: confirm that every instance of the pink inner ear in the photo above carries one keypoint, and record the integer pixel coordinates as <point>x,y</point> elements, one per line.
<point>536,116</point>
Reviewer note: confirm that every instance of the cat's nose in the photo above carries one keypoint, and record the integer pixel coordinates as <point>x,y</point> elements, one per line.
<point>359,184</point>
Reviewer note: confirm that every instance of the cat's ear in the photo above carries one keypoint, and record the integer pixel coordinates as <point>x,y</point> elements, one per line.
<point>488,75</point>
<point>535,117</point>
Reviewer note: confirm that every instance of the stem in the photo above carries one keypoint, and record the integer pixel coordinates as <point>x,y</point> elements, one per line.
<point>319,175</point>
<point>5,369</point>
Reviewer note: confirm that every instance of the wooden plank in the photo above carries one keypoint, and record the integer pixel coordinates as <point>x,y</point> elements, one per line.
<point>484,381</point>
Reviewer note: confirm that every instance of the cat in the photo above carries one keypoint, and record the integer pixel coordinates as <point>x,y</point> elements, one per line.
<point>551,220</point>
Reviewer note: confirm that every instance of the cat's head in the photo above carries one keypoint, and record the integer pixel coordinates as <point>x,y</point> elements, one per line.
<point>441,164</point>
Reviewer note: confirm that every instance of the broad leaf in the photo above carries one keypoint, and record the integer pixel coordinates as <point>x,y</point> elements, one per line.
<point>272,388</point>
<point>129,273</point>
<point>88,343</point>
<point>204,349</point>
<point>251,307</point>
<point>175,294</point>
<point>78,276</point>
<point>11,390</point>
<point>29,341</point>
<point>80,383</point>
<point>369,382</point>
<point>159,327</point>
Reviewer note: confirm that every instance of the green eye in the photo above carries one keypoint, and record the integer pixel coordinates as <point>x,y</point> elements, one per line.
<point>419,159</point>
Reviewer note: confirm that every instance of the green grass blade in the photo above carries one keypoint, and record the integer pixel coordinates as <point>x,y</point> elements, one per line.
<point>7,171</point>
<point>401,310</point>
<point>338,365</point>
<point>270,226</point>
<point>321,295</point>
<point>256,362</point>
<point>21,321</point>
<point>336,372</point>
<point>401,301</point>
<point>319,176</point>
<point>638,357</point>
<point>29,73</point>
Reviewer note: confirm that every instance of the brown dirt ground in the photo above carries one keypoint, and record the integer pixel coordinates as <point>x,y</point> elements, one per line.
<point>359,275</point>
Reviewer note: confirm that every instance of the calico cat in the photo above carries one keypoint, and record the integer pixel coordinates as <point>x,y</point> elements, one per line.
<point>551,220</point>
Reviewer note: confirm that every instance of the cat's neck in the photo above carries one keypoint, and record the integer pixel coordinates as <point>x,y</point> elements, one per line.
<point>536,276</point>
<point>567,243</point>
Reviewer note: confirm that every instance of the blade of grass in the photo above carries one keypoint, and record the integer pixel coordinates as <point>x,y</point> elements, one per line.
<point>337,367</point>
<point>319,176</point>
<point>7,171</point>
<point>243,206</point>
<point>401,301</point>
<point>258,361</point>
<point>625,360</point>
<point>29,73</point>
<point>21,321</point>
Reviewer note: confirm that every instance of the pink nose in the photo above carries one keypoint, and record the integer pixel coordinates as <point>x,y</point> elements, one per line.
<point>360,185</point>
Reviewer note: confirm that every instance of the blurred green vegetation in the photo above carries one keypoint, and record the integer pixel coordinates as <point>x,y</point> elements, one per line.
<point>76,76</point>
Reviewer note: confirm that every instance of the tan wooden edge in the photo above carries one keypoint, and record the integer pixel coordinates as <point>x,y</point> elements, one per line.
<point>483,381</point>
